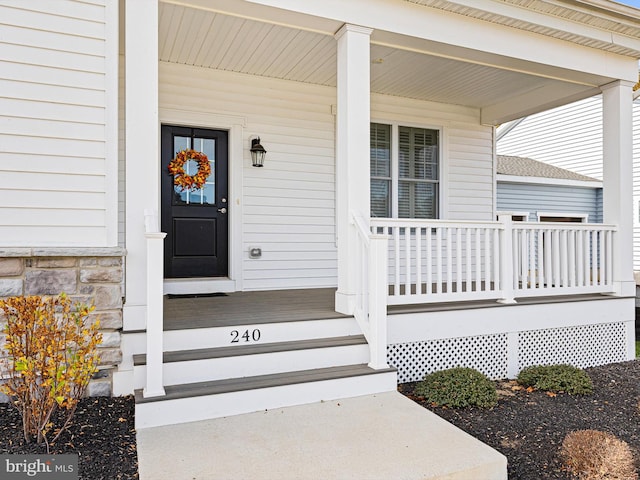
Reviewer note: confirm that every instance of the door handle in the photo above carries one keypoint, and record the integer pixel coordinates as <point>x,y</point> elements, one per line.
<point>222,210</point>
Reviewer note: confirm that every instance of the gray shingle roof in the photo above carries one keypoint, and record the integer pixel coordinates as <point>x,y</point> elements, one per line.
<point>527,167</point>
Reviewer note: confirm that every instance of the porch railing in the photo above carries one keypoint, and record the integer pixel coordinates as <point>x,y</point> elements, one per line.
<point>440,261</point>
<point>370,308</point>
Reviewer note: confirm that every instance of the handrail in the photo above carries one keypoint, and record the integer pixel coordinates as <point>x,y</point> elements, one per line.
<point>361,228</point>
<point>371,290</point>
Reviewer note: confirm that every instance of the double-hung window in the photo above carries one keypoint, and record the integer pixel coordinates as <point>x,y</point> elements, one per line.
<point>405,177</point>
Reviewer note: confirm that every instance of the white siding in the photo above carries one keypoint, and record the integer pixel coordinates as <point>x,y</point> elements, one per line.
<point>289,205</point>
<point>571,137</point>
<point>53,123</point>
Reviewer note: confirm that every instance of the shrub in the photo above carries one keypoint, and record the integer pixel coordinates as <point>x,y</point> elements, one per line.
<point>458,387</point>
<point>595,455</point>
<point>51,356</point>
<point>556,378</point>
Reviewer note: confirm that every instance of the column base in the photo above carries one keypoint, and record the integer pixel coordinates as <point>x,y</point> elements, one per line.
<point>345,303</point>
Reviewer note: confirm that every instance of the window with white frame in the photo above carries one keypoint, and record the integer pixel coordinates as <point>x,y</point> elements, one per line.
<point>563,217</point>
<point>405,176</point>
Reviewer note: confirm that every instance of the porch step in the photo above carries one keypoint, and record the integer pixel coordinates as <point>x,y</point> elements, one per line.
<point>213,399</point>
<point>193,366</point>
<point>221,336</point>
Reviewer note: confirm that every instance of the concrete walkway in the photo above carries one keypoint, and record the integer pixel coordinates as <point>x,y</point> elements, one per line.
<point>384,436</point>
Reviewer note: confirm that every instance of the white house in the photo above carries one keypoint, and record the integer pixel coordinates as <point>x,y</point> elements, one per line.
<point>366,250</point>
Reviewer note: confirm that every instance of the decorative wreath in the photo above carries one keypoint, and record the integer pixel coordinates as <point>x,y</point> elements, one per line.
<point>180,177</point>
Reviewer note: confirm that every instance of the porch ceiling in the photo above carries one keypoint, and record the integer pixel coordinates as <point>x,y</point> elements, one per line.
<point>211,39</point>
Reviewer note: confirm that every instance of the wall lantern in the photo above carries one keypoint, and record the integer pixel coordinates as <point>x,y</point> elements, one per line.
<point>257,153</point>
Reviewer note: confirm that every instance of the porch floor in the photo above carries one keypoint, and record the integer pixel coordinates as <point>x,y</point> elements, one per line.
<point>380,436</point>
<point>248,308</point>
<point>262,307</point>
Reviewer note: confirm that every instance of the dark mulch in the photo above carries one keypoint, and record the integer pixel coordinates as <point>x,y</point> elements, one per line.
<point>102,434</point>
<point>528,427</point>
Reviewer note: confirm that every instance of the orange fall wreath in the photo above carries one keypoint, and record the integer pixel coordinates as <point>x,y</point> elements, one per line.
<point>180,177</point>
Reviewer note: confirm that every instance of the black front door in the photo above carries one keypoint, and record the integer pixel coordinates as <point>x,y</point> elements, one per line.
<point>196,222</point>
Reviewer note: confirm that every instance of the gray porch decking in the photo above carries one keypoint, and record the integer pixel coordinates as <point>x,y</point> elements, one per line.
<point>247,308</point>
<point>261,307</point>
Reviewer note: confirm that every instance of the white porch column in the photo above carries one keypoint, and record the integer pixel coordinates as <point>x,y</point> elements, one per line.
<point>617,101</point>
<point>142,147</point>
<point>352,153</point>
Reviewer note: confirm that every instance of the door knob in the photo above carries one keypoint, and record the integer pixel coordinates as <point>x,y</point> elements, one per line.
<point>222,210</point>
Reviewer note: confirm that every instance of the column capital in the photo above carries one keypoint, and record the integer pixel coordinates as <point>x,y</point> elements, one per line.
<point>347,27</point>
<point>617,83</point>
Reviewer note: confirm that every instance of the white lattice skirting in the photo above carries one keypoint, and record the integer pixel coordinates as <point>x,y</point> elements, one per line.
<point>582,346</point>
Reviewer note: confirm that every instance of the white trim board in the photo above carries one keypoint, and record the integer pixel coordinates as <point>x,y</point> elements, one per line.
<point>180,286</point>
<point>548,181</point>
<point>235,125</point>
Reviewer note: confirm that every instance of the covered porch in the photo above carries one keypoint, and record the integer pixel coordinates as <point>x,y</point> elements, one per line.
<point>313,81</point>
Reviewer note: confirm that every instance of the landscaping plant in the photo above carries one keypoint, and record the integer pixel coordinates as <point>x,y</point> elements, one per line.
<point>458,387</point>
<point>556,378</point>
<point>51,354</point>
<point>596,455</point>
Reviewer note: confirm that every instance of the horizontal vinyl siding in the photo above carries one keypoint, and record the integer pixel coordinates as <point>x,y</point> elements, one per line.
<point>520,197</point>
<point>53,123</point>
<point>289,205</point>
<point>568,137</point>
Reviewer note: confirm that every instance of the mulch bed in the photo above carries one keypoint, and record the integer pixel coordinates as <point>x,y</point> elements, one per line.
<point>102,434</point>
<point>528,427</point>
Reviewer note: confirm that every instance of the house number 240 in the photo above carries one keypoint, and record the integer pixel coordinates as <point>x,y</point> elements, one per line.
<point>247,336</point>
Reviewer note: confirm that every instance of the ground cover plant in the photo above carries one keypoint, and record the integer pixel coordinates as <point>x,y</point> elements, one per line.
<point>528,426</point>
<point>458,387</point>
<point>556,379</point>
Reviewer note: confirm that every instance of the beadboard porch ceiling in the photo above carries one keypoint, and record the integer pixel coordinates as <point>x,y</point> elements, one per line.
<point>243,42</point>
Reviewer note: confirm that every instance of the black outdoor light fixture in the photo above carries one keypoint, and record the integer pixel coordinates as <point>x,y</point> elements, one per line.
<point>257,152</point>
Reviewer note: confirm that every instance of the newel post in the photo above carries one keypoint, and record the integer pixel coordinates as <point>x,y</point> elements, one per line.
<point>506,259</point>
<point>154,322</point>
<point>378,292</point>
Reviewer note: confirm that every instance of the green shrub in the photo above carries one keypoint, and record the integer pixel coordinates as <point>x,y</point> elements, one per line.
<point>458,387</point>
<point>556,378</point>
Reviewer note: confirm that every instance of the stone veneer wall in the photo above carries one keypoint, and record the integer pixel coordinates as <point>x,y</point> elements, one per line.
<point>89,275</point>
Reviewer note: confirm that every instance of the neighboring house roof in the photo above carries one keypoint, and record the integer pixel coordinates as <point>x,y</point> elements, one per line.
<point>527,167</point>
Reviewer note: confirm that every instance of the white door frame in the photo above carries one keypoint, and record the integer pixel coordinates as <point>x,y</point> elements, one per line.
<point>235,126</point>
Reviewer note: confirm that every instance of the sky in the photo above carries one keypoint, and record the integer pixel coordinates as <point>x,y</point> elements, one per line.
<point>633,3</point>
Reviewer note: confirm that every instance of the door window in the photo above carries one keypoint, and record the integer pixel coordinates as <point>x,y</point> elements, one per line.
<point>207,194</point>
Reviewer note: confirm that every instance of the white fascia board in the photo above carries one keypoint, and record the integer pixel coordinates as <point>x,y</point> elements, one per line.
<point>548,181</point>
<point>477,35</point>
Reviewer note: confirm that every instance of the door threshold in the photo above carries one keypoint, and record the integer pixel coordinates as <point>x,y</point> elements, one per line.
<point>184,286</point>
